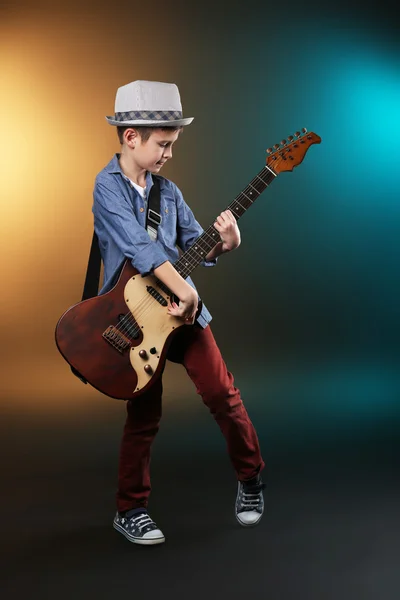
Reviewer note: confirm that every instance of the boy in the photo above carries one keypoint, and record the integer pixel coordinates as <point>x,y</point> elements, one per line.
<point>148,117</point>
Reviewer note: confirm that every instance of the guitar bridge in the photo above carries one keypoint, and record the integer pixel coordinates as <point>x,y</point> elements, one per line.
<point>117,339</point>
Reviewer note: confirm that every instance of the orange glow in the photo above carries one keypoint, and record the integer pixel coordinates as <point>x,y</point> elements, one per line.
<point>58,78</point>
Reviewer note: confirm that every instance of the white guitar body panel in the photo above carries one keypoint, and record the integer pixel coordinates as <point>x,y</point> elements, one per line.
<point>154,321</point>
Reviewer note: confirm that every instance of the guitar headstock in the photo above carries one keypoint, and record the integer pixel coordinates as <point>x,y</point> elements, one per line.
<point>288,154</point>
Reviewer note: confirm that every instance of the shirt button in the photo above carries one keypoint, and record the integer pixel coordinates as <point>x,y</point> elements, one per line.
<point>166,210</point>
<point>142,210</point>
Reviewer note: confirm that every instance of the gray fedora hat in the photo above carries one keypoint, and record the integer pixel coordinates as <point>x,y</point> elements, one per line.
<point>149,103</point>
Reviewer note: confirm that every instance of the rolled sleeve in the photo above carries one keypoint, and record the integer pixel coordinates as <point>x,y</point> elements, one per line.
<point>116,222</point>
<point>188,228</point>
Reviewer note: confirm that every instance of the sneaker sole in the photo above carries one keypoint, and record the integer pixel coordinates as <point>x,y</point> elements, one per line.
<point>136,540</point>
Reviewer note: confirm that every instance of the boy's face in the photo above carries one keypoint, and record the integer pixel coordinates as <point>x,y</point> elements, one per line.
<point>154,153</point>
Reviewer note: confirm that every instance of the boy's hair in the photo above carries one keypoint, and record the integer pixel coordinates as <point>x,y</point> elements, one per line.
<point>144,132</point>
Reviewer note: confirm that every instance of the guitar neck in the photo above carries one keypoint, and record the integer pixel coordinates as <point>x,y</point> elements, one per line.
<point>210,238</point>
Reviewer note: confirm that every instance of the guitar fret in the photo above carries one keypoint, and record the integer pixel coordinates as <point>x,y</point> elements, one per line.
<point>208,242</point>
<point>206,245</point>
<point>258,193</point>
<point>206,233</point>
<point>257,184</point>
<point>250,200</point>
<point>241,205</point>
<point>264,182</point>
<point>237,209</point>
<point>214,233</point>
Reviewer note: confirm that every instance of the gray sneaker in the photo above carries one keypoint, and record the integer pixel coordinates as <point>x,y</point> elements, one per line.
<point>249,505</point>
<point>138,527</point>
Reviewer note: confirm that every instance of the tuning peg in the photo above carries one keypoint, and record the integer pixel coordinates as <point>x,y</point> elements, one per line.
<point>297,134</point>
<point>304,130</point>
<point>276,146</point>
<point>283,142</point>
<point>269,150</point>
<point>290,138</point>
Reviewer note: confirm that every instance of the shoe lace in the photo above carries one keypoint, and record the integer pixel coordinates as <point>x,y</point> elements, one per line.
<point>251,495</point>
<point>139,521</point>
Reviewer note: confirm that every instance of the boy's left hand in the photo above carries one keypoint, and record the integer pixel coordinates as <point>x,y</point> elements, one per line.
<point>228,230</point>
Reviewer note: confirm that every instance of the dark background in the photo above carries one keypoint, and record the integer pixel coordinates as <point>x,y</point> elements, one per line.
<point>305,312</point>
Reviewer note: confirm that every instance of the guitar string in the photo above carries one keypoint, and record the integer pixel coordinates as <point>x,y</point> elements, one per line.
<point>142,308</point>
<point>148,303</point>
<point>128,321</point>
<point>236,201</point>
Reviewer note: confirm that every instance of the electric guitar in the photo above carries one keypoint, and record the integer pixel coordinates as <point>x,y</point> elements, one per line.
<point>118,341</point>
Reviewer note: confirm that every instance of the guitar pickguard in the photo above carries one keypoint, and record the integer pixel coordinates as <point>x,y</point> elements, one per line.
<point>147,303</point>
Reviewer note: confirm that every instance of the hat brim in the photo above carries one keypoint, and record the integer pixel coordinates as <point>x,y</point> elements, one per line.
<point>152,123</point>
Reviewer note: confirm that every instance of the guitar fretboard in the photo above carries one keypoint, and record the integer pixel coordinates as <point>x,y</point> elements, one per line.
<point>210,238</point>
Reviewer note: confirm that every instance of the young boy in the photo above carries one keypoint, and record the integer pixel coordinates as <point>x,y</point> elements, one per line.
<point>148,117</point>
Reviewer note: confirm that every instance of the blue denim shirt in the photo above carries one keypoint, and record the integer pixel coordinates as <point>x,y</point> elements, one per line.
<point>120,224</point>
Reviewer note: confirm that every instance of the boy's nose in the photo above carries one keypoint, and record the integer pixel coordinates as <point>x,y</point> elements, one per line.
<point>167,153</point>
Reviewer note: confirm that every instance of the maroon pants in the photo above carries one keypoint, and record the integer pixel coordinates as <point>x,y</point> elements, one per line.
<point>196,349</point>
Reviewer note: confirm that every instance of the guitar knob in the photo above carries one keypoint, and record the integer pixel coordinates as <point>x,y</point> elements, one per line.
<point>148,369</point>
<point>304,130</point>
<point>290,138</point>
<point>276,146</point>
<point>143,354</point>
<point>283,142</point>
<point>269,150</point>
<point>297,134</point>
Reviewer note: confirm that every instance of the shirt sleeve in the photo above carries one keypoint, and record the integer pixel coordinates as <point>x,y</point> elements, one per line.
<point>118,221</point>
<point>188,228</point>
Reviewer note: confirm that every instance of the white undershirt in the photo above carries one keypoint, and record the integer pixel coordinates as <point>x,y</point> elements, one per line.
<point>142,191</point>
<point>139,188</point>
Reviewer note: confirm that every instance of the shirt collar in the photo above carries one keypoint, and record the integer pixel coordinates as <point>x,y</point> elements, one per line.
<point>114,167</point>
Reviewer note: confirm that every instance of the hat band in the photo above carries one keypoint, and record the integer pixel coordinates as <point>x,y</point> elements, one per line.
<point>148,115</point>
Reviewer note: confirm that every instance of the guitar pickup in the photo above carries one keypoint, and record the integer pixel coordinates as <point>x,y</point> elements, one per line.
<point>156,295</point>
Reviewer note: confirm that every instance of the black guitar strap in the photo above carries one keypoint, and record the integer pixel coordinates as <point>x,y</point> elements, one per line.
<point>91,287</point>
<point>153,220</point>
<point>153,216</point>
<point>92,279</point>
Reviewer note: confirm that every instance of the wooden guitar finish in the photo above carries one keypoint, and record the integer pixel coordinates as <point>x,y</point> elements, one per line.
<point>118,355</point>
<point>118,341</point>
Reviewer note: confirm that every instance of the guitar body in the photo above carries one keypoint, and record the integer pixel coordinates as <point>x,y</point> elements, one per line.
<point>118,341</point>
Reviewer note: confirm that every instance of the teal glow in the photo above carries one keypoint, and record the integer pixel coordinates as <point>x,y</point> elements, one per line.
<point>369,91</point>
<point>361,110</point>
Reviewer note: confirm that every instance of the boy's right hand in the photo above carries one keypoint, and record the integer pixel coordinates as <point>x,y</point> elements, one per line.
<point>187,307</point>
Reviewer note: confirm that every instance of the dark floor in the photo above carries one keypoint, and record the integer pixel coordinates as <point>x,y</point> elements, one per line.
<point>330,530</point>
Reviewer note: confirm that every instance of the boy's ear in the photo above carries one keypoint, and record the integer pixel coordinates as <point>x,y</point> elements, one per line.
<point>130,136</point>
